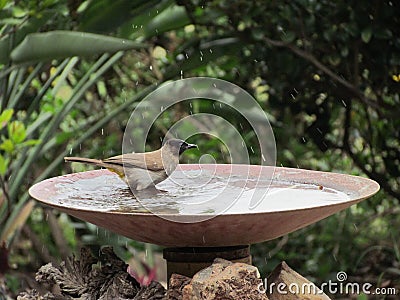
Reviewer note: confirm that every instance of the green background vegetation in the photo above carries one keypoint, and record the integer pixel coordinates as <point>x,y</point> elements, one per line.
<point>327,73</point>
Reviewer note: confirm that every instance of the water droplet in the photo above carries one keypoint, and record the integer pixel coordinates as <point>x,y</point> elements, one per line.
<point>344,103</point>
<point>162,108</point>
<point>262,156</point>
<point>151,67</point>
<point>70,151</point>
<point>102,131</point>
<point>190,104</point>
<point>292,96</point>
<point>251,148</point>
<point>319,130</point>
<point>210,50</point>
<point>303,139</point>
<point>181,74</point>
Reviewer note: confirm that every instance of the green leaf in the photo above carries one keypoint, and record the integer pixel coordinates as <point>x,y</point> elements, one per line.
<point>61,44</point>
<point>133,28</point>
<point>366,35</point>
<point>3,165</point>
<point>108,15</point>
<point>6,116</point>
<point>10,21</point>
<point>383,33</point>
<point>18,12</point>
<point>101,88</point>
<point>7,146</point>
<point>171,18</point>
<point>30,143</point>
<point>63,136</point>
<point>17,132</point>
<point>362,297</point>
<point>29,26</point>
<point>288,36</point>
<point>2,3</point>
<point>210,51</point>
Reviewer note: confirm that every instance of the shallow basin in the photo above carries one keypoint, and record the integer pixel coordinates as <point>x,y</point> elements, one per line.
<point>206,205</point>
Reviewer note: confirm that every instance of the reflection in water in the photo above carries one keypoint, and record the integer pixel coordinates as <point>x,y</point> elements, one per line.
<point>193,192</point>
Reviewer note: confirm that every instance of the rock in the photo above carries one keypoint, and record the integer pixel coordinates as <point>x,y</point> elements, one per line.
<point>286,284</point>
<point>154,291</point>
<point>225,280</point>
<point>176,284</point>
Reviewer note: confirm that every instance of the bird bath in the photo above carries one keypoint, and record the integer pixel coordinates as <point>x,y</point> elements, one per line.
<point>197,231</point>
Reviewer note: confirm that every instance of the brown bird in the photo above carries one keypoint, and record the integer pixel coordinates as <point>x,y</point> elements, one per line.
<point>142,170</point>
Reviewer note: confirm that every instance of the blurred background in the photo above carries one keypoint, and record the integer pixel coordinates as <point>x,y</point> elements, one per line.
<point>326,73</point>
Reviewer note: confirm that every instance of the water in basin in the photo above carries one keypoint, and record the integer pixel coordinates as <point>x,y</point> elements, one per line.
<point>194,192</point>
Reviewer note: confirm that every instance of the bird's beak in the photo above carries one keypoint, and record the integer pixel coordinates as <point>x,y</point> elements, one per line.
<point>190,146</point>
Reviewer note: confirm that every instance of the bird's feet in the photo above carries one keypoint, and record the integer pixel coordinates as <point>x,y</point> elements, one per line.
<point>148,192</point>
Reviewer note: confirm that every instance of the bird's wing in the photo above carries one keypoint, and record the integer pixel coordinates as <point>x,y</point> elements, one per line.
<point>151,160</point>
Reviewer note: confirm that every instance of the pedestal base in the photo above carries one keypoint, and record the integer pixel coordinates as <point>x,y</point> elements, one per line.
<point>188,261</point>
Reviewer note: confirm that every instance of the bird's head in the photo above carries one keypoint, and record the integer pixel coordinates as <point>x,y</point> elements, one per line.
<point>178,146</point>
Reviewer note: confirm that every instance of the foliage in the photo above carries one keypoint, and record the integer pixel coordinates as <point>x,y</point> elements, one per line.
<point>326,73</point>
<point>40,96</point>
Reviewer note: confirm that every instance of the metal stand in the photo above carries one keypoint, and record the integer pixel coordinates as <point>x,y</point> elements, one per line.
<point>188,261</point>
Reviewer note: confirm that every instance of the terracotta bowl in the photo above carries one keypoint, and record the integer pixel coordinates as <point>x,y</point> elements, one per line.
<point>304,197</point>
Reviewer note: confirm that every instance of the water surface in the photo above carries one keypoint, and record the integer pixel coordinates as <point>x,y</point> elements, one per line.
<point>198,192</point>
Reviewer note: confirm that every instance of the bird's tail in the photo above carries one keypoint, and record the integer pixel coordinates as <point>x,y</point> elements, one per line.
<point>119,170</point>
<point>90,161</point>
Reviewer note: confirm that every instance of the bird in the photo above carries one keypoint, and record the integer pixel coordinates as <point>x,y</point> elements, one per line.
<point>142,170</point>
